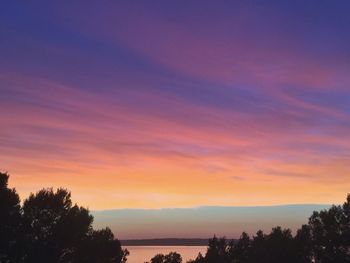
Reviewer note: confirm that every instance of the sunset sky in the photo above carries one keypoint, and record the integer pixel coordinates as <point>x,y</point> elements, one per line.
<point>177,104</point>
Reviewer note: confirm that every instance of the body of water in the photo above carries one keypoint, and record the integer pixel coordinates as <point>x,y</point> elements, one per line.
<point>141,254</point>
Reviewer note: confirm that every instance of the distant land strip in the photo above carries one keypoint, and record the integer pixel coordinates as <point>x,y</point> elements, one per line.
<point>166,242</point>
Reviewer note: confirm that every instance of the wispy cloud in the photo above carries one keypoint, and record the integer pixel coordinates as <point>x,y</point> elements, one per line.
<point>229,104</point>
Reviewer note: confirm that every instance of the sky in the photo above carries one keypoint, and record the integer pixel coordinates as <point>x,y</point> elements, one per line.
<point>203,222</point>
<point>177,104</point>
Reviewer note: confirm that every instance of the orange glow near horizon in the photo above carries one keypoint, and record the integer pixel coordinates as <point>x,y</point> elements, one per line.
<point>164,163</point>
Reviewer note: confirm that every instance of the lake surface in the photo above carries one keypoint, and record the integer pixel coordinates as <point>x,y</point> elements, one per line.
<point>141,254</point>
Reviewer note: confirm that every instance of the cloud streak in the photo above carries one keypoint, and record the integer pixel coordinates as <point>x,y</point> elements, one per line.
<point>176,106</point>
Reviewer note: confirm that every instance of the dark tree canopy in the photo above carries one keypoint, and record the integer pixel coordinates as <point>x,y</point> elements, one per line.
<point>10,221</point>
<point>100,246</point>
<point>172,257</point>
<point>329,233</point>
<point>49,228</point>
<point>303,244</point>
<point>240,251</point>
<point>217,250</point>
<point>325,239</point>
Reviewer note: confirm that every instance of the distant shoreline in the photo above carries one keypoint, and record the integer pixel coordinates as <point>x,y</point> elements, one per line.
<point>166,242</point>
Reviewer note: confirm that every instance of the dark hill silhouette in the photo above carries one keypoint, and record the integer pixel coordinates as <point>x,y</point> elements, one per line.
<point>166,242</point>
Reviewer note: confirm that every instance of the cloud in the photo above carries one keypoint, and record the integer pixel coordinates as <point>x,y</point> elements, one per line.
<point>221,105</point>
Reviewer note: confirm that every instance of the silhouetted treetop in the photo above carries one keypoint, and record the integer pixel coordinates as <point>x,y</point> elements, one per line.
<point>172,257</point>
<point>10,221</point>
<point>325,239</point>
<point>49,228</point>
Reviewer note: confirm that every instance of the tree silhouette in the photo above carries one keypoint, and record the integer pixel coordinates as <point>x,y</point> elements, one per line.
<point>100,247</point>
<point>10,222</point>
<point>217,250</point>
<point>240,251</point>
<point>55,227</point>
<point>159,258</point>
<point>49,228</point>
<point>346,227</point>
<point>303,245</point>
<point>279,246</point>
<point>325,239</point>
<point>258,248</point>
<point>330,232</point>
<point>199,259</point>
<point>345,238</point>
<point>172,257</point>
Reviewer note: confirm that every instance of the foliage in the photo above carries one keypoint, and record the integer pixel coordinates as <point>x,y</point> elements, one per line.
<point>325,239</point>
<point>172,257</point>
<point>49,228</point>
<point>10,221</point>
